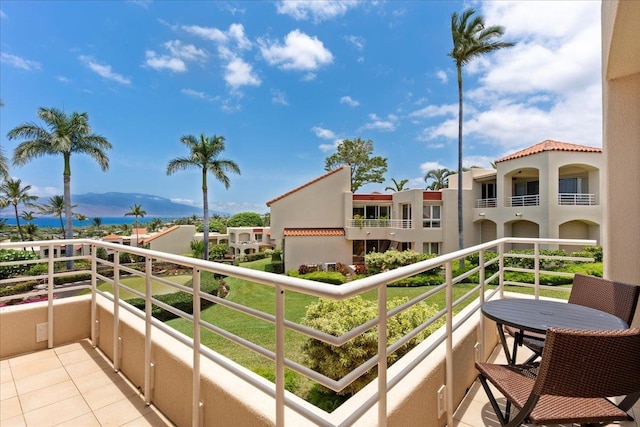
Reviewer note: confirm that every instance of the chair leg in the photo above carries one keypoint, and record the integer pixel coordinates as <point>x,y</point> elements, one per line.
<point>494,404</point>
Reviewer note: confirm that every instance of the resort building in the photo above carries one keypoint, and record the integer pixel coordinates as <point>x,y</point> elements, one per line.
<point>551,189</point>
<point>249,240</point>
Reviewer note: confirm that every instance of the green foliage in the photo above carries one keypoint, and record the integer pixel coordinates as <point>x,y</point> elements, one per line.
<point>594,252</point>
<point>245,219</point>
<point>332,277</point>
<point>291,378</point>
<point>215,226</point>
<point>419,280</point>
<point>180,300</point>
<point>102,253</point>
<point>197,248</point>
<point>12,255</point>
<point>256,256</point>
<point>357,154</point>
<point>338,317</point>
<point>378,262</point>
<point>277,267</point>
<point>218,251</point>
<point>17,288</point>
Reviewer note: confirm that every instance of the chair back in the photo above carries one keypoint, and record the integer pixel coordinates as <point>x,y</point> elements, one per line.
<point>589,364</point>
<point>615,298</point>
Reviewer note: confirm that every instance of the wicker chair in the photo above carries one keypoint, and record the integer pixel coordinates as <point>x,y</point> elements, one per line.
<point>577,374</point>
<point>615,298</point>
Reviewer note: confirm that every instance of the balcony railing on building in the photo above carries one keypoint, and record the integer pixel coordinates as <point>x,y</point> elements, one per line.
<point>375,397</point>
<point>528,200</point>
<point>572,199</point>
<point>486,203</point>
<point>379,223</point>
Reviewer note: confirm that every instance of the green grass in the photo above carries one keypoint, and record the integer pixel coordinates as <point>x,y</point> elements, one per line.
<point>138,283</point>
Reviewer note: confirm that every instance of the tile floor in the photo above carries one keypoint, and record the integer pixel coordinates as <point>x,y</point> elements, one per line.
<point>75,385</point>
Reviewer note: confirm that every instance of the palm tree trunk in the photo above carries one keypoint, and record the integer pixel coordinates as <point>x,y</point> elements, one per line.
<point>67,213</point>
<point>15,208</point>
<point>205,222</point>
<point>460,207</point>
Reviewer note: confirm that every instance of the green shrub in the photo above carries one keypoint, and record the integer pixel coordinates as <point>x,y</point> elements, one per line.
<point>339,317</point>
<point>378,262</point>
<point>12,255</point>
<point>291,378</point>
<point>332,277</point>
<point>418,280</point>
<point>17,288</point>
<point>277,267</point>
<point>256,256</point>
<point>594,252</point>
<point>217,251</point>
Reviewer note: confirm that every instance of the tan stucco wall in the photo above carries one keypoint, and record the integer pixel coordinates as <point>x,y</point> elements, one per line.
<point>621,121</point>
<point>177,241</point>
<point>316,250</point>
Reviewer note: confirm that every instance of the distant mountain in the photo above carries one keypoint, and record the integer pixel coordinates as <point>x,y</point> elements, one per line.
<point>118,204</point>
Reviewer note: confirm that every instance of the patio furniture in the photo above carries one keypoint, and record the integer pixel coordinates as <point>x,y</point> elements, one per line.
<point>619,299</point>
<point>578,374</point>
<point>531,316</point>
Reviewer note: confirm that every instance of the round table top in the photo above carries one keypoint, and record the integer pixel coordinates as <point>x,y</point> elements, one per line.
<point>538,315</point>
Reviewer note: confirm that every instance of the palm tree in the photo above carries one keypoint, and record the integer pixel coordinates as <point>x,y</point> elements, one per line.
<point>62,135</point>
<point>398,186</point>
<point>31,230</point>
<point>13,193</point>
<point>439,178</point>
<point>136,211</point>
<point>471,39</point>
<point>55,207</point>
<point>205,155</point>
<point>4,166</point>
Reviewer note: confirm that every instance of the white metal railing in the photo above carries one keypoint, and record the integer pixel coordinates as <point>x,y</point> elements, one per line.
<point>283,284</point>
<point>486,203</point>
<point>577,199</point>
<point>529,200</point>
<point>379,223</point>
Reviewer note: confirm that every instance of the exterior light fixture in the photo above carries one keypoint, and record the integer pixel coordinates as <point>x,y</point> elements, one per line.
<point>481,214</point>
<point>518,213</point>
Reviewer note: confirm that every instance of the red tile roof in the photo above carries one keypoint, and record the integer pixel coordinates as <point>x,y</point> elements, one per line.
<point>314,231</point>
<point>550,145</point>
<point>270,202</point>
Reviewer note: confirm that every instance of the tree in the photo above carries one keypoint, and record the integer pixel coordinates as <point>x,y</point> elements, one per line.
<point>30,229</point>
<point>471,39</point>
<point>4,166</point>
<point>245,219</point>
<point>398,186</point>
<point>62,135</point>
<point>55,207</point>
<point>439,178</point>
<point>357,154</point>
<point>13,193</point>
<point>136,211</point>
<point>205,155</point>
<point>154,224</point>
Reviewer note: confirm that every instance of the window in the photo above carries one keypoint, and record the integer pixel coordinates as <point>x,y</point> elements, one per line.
<point>575,185</point>
<point>258,237</point>
<point>431,216</point>
<point>405,246</point>
<point>489,190</point>
<point>526,188</point>
<point>431,248</point>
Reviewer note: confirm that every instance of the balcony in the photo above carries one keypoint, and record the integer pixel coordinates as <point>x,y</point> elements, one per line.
<point>157,375</point>
<point>486,203</point>
<point>378,223</point>
<point>528,200</point>
<point>570,199</point>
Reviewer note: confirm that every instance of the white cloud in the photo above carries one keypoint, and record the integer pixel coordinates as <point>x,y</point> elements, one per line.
<point>329,147</point>
<point>376,123</point>
<point>278,97</point>
<point>104,71</point>
<point>185,51</point>
<point>189,202</point>
<point>196,94</point>
<point>435,111</point>
<point>349,101</point>
<point>63,79</point>
<point>316,10</point>
<point>240,73</point>
<point>299,52</point>
<point>357,41</point>
<point>429,166</point>
<point>323,133</point>
<point>162,62</point>
<point>442,76</point>
<point>19,62</point>
<point>213,34</point>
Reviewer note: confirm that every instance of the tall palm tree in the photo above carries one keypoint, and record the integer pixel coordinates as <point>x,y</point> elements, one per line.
<point>439,178</point>
<point>471,39</point>
<point>4,166</point>
<point>13,193</point>
<point>55,207</point>
<point>397,186</point>
<point>136,211</point>
<point>205,155</point>
<point>30,229</point>
<point>62,135</point>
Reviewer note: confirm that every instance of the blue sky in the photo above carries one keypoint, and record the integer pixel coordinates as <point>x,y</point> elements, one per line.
<point>284,82</point>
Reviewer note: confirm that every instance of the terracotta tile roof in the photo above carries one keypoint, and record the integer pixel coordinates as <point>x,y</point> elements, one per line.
<point>270,202</point>
<point>372,197</point>
<point>138,231</point>
<point>112,237</point>
<point>162,233</point>
<point>314,231</point>
<point>550,145</point>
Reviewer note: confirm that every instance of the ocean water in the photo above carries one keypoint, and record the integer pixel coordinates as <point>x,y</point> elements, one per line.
<point>52,222</point>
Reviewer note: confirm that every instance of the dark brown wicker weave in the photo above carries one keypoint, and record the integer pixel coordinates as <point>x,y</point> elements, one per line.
<point>619,299</point>
<point>578,371</point>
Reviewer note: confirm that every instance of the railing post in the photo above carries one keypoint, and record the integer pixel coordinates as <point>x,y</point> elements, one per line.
<point>280,422</point>
<point>501,268</point>
<point>481,297</point>
<point>382,355</point>
<point>449,352</point>
<point>50,285</point>
<point>195,408</point>
<point>94,283</point>
<point>536,267</point>
<point>147,336</point>
<point>116,310</point>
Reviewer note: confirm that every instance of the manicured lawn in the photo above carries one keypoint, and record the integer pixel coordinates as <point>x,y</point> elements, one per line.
<point>138,283</point>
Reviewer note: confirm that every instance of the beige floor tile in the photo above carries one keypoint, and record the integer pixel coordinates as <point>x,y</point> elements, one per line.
<point>122,411</point>
<point>97,379</point>
<point>9,408</point>
<point>78,355</point>
<point>14,422</point>
<point>86,420</point>
<point>41,380</point>
<point>84,344</point>
<point>57,413</point>
<point>30,357</point>
<point>7,390</point>
<point>86,367</point>
<point>150,420</point>
<point>34,367</point>
<point>48,395</point>
<point>108,394</point>
<point>5,374</point>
